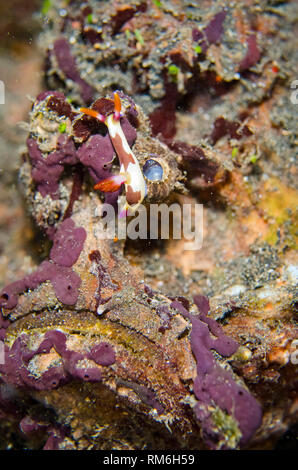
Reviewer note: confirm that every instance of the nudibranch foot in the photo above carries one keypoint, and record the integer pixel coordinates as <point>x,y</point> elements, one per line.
<point>123,213</point>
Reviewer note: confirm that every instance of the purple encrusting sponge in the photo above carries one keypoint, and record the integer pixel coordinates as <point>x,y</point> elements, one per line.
<point>68,244</point>
<point>18,368</point>
<point>214,386</point>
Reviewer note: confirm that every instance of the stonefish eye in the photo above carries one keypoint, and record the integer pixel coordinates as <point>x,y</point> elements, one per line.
<point>152,170</point>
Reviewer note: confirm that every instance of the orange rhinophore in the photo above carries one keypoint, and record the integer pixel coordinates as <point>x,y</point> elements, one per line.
<point>117,103</point>
<point>93,113</point>
<point>111,184</point>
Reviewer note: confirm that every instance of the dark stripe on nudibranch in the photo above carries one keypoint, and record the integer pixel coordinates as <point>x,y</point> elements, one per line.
<point>124,157</point>
<point>132,197</point>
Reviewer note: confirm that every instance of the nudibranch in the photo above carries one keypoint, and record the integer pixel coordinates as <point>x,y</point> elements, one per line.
<point>130,173</point>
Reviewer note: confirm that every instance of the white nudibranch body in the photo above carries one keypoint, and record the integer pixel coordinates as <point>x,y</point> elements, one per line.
<point>135,186</point>
<point>130,172</point>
